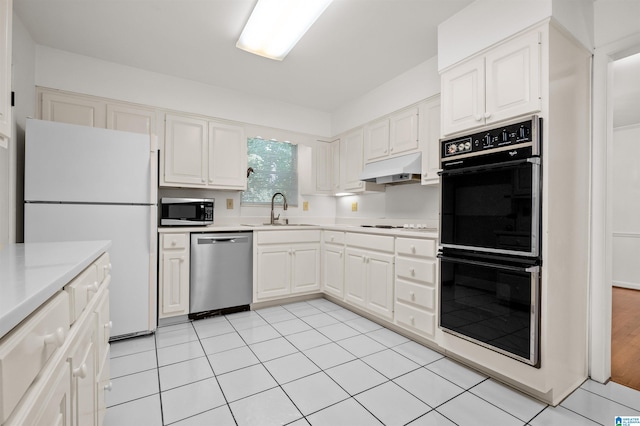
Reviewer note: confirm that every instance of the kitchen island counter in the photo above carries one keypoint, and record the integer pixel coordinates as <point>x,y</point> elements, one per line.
<point>33,272</point>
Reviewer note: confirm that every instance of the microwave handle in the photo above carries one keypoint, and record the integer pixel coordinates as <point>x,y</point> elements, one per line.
<point>532,160</point>
<point>530,269</point>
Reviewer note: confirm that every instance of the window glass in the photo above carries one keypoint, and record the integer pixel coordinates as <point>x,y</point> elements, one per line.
<point>275,169</point>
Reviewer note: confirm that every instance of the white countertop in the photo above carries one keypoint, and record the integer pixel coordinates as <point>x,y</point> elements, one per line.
<point>33,272</point>
<point>398,232</point>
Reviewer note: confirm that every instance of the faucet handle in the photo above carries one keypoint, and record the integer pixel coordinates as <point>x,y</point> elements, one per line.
<point>276,217</point>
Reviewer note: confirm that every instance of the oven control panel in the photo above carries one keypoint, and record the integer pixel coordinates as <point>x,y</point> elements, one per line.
<point>493,139</point>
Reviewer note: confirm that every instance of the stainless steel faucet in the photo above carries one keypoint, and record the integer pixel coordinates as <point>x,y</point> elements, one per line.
<point>285,206</point>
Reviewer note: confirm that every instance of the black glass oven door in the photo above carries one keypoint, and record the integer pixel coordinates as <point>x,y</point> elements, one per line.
<point>494,305</point>
<point>492,209</point>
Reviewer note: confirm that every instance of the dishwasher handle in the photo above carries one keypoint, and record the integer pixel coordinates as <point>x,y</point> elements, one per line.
<point>222,240</point>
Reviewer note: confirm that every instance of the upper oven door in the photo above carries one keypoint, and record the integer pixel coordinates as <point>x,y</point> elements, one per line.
<point>492,208</point>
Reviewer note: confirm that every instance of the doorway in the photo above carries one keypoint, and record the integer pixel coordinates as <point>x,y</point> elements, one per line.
<point>625,236</point>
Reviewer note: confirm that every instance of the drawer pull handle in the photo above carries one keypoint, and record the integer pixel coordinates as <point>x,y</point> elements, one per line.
<point>56,338</point>
<point>108,386</point>
<point>93,287</point>
<point>487,115</point>
<point>80,371</point>
<point>412,271</point>
<point>413,249</point>
<point>107,268</point>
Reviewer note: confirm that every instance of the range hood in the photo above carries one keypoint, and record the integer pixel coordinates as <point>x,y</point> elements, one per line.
<point>403,169</point>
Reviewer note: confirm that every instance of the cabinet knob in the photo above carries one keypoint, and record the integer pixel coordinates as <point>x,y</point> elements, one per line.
<point>412,320</point>
<point>332,238</point>
<point>93,287</point>
<point>173,243</point>
<point>478,117</point>
<point>412,295</point>
<point>56,338</point>
<point>413,249</point>
<point>108,386</point>
<point>203,180</point>
<point>487,115</point>
<point>391,149</point>
<point>384,151</point>
<point>412,271</point>
<point>80,371</point>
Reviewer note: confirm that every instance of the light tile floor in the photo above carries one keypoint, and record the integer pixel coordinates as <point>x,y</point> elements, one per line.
<point>317,363</point>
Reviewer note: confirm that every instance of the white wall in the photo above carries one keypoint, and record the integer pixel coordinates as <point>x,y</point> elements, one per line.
<point>626,206</point>
<point>76,73</point>
<point>491,21</point>
<point>416,84</point>
<point>615,20</point>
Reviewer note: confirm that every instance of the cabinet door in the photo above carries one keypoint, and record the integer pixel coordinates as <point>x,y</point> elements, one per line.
<point>355,276</point>
<point>131,119</point>
<point>403,132</point>
<point>376,145</point>
<point>274,271</point>
<point>305,268</point>
<point>323,167</point>
<point>83,379</point>
<point>227,157</point>
<point>333,270</point>
<point>6,17</point>
<point>185,151</point>
<point>351,147</point>
<point>103,330</point>
<point>174,282</point>
<point>430,141</point>
<point>380,284</point>
<point>73,109</point>
<point>463,96</point>
<point>513,78</point>
<point>336,162</point>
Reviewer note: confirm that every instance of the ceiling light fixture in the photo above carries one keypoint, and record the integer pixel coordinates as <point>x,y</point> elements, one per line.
<point>275,26</point>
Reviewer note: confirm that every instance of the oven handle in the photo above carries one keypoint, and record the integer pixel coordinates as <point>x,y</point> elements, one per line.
<point>530,269</point>
<point>532,160</point>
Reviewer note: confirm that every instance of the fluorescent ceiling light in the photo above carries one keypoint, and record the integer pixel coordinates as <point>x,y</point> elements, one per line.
<point>275,26</point>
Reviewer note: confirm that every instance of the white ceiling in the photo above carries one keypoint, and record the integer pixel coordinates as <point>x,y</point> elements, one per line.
<point>626,91</point>
<point>355,46</point>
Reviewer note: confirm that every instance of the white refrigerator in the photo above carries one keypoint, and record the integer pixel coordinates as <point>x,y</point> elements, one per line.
<point>83,183</point>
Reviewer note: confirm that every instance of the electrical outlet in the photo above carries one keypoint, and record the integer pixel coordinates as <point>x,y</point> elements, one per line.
<point>305,206</point>
<point>229,203</point>
<point>354,207</point>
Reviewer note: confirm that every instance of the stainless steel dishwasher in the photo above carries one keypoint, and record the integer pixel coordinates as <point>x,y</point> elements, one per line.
<point>221,279</point>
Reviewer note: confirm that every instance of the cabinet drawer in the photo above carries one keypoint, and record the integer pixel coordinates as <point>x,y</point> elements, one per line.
<point>415,319</point>
<point>26,349</point>
<point>103,265</point>
<point>175,241</point>
<point>286,237</point>
<point>416,247</point>
<point>414,269</point>
<point>416,294</point>
<point>334,237</point>
<point>81,290</point>
<point>103,325</point>
<point>370,242</point>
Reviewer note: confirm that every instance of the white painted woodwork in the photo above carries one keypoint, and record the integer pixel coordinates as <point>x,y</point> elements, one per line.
<point>131,118</point>
<point>429,133</point>
<point>72,109</point>
<point>82,361</point>
<point>403,132</point>
<point>323,167</point>
<point>502,83</point>
<point>380,283</point>
<point>174,275</point>
<point>274,271</point>
<point>227,157</point>
<point>376,145</point>
<point>185,151</point>
<point>351,161</point>
<point>355,277</point>
<point>335,169</point>
<point>305,268</point>
<point>333,263</point>
<point>6,123</point>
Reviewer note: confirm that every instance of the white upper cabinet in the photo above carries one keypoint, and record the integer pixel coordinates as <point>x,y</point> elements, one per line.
<point>393,135</point>
<point>351,161</point>
<point>185,151</point>
<point>315,168</point>
<point>227,157</point>
<point>131,119</point>
<point>335,166</point>
<point>323,166</point>
<point>201,153</point>
<point>430,140</point>
<point>73,109</point>
<point>6,16</point>
<point>501,84</point>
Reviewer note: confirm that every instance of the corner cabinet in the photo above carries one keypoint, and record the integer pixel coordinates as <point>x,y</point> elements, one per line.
<point>203,154</point>
<point>352,164</point>
<point>173,280</point>
<point>6,17</point>
<point>429,131</point>
<point>502,83</point>
<point>286,263</point>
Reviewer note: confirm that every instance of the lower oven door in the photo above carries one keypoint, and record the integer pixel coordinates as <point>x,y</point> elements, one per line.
<point>493,304</point>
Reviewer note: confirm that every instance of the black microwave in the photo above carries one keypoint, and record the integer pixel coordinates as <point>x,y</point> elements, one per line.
<point>186,211</point>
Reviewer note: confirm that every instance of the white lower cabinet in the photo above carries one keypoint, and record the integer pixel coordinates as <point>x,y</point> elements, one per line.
<point>50,363</point>
<point>287,263</point>
<point>415,285</point>
<point>333,263</point>
<point>173,278</point>
<point>369,265</point>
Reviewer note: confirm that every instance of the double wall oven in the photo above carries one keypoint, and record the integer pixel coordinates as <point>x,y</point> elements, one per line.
<point>490,229</point>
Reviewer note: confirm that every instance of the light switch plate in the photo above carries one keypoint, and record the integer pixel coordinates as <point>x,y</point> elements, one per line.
<point>354,207</point>
<point>229,203</point>
<point>305,206</point>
